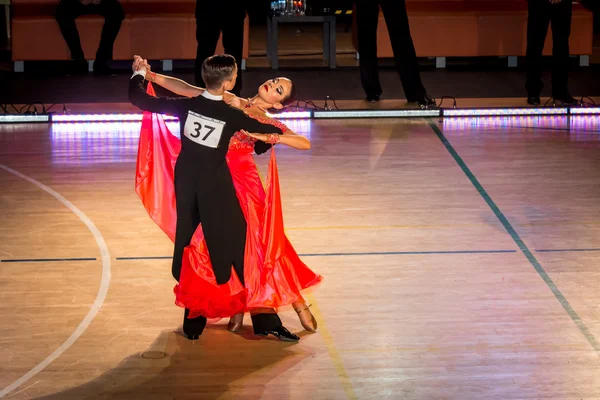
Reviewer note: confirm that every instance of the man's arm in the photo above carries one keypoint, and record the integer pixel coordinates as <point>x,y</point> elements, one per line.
<point>249,124</point>
<point>163,105</point>
<point>252,125</point>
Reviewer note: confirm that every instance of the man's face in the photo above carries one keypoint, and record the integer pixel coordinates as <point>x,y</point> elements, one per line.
<point>229,84</point>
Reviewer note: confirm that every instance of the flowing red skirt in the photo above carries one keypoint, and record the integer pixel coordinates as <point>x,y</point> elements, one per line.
<point>274,275</point>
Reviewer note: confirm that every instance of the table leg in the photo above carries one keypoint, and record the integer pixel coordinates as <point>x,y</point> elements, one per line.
<point>269,38</point>
<point>274,45</point>
<point>332,44</point>
<point>326,44</point>
<point>7,13</point>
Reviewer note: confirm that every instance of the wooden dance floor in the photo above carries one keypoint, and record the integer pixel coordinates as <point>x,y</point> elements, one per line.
<point>460,260</point>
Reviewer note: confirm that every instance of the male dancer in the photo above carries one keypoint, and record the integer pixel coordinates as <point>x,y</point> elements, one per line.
<point>204,188</point>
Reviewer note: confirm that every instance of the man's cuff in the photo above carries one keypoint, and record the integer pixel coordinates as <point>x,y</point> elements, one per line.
<point>141,72</point>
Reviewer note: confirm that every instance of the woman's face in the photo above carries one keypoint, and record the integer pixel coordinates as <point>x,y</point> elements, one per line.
<point>274,91</point>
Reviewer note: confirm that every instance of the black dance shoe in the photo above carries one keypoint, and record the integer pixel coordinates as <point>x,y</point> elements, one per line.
<point>193,327</point>
<point>534,100</point>
<point>281,333</point>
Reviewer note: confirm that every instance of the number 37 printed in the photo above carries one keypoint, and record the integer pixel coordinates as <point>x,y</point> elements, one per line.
<point>199,130</point>
<point>203,130</point>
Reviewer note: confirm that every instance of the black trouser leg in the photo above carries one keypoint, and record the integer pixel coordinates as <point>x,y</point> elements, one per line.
<point>233,44</point>
<point>538,19</point>
<point>561,30</point>
<point>405,56</point>
<point>66,13</point>
<point>367,16</point>
<point>193,326</point>
<point>208,28</point>
<point>113,15</point>
<point>188,216</point>
<point>265,322</point>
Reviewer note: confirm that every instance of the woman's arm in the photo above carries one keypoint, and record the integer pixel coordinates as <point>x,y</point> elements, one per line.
<point>175,85</point>
<point>289,138</point>
<point>292,139</point>
<point>182,88</point>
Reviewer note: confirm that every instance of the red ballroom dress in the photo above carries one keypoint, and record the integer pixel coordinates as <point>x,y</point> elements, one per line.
<point>274,274</point>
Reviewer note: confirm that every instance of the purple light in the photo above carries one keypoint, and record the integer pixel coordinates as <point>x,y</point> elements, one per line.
<point>82,130</point>
<point>461,123</point>
<point>583,128</point>
<point>586,123</point>
<point>88,143</point>
<point>102,117</point>
<point>474,112</point>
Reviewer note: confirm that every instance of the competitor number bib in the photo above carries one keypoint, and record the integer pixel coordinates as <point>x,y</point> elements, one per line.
<point>203,130</point>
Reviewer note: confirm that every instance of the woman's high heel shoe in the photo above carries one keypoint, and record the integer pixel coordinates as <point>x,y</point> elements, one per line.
<point>307,320</point>
<point>235,323</point>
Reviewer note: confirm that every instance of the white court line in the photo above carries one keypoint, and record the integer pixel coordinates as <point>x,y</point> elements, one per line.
<point>104,283</point>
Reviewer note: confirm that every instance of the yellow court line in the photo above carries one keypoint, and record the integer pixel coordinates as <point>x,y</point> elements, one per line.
<point>331,348</point>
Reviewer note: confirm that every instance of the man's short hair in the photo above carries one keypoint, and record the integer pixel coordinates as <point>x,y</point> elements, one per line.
<point>217,69</point>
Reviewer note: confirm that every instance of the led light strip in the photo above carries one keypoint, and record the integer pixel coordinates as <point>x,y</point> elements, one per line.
<point>17,118</point>
<point>292,115</point>
<point>500,112</point>
<point>332,114</point>
<point>585,110</point>
<point>375,113</point>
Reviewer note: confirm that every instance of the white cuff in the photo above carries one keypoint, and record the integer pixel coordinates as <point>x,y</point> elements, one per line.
<point>141,72</point>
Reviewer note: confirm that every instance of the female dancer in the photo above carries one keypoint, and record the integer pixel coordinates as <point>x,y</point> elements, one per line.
<point>275,275</point>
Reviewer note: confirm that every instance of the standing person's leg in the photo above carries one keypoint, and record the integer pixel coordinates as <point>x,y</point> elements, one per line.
<point>113,15</point>
<point>367,16</point>
<point>405,56</point>
<point>209,21</point>
<point>538,19</point>
<point>560,16</point>
<point>233,38</point>
<point>66,13</point>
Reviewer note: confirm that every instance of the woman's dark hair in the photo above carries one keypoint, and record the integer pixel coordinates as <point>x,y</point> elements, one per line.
<point>291,97</point>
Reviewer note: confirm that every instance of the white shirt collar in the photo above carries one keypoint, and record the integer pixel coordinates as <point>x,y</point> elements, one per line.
<point>211,96</point>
